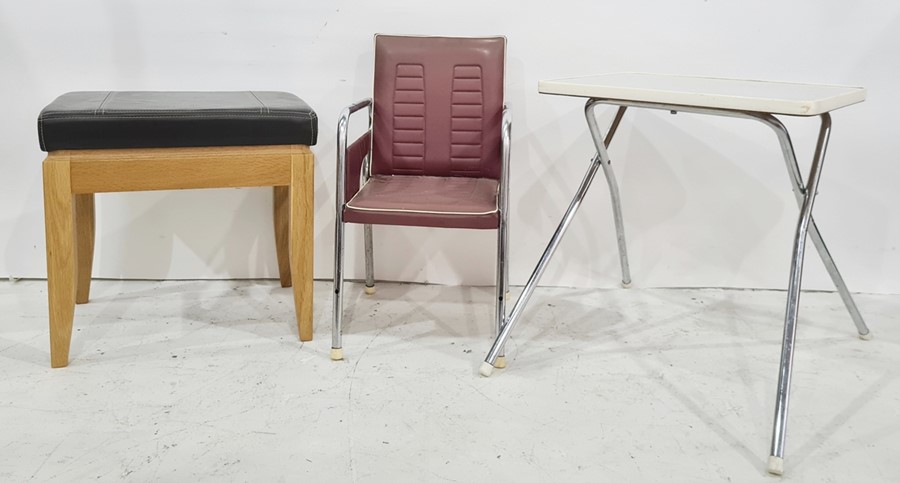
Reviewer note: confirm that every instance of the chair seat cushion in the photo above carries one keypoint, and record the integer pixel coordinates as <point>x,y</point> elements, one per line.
<point>146,119</point>
<point>446,202</point>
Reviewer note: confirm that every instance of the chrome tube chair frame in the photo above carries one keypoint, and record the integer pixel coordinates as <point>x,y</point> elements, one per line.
<point>358,155</point>
<point>805,195</point>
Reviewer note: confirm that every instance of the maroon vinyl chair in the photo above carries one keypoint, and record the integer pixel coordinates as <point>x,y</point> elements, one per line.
<point>436,153</point>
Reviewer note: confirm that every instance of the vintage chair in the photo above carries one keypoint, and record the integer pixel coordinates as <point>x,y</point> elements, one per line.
<point>101,142</point>
<point>436,153</point>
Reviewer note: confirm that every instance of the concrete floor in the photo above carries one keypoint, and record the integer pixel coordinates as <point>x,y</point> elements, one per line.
<point>197,380</point>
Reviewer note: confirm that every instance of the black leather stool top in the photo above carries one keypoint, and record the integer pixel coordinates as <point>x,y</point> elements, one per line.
<point>143,119</point>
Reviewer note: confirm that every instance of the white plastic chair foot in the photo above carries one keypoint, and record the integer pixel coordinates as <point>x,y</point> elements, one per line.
<point>866,336</point>
<point>776,465</point>
<point>370,290</point>
<point>626,284</point>
<point>337,354</point>
<point>500,363</point>
<point>486,369</point>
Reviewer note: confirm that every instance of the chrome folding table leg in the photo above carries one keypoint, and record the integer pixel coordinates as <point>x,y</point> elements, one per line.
<point>601,146</point>
<point>836,278</point>
<point>793,169</point>
<point>776,458</point>
<point>370,260</point>
<point>487,367</point>
<point>600,159</point>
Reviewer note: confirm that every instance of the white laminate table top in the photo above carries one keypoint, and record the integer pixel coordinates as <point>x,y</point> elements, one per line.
<point>735,94</point>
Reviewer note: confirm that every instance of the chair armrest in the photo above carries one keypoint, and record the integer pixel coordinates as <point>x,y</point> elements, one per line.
<point>353,165</point>
<point>350,158</point>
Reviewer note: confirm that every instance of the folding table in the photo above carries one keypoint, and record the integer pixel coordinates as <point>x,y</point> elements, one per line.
<point>746,99</point>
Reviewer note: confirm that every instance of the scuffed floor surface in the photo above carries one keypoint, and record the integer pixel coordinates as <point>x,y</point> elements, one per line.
<point>198,380</point>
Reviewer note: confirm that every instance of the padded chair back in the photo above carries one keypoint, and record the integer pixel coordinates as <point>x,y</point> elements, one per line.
<point>438,106</point>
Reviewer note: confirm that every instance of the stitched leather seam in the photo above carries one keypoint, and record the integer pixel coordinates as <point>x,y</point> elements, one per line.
<point>422,212</point>
<point>407,81</point>
<point>100,107</point>
<point>185,116</point>
<point>349,204</point>
<point>128,112</point>
<point>262,105</point>
<point>467,80</point>
<point>239,110</point>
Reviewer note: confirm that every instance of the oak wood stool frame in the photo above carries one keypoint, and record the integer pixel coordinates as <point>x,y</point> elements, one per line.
<point>105,142</point>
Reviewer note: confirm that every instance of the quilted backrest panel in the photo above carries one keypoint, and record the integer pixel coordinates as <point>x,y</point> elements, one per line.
<point>438,106</point>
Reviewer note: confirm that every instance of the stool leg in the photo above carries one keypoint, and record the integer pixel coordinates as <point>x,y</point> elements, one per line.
<point>59,219</point>
<point>84,245</point>
<point>281,204</point>
<point>301,240</point>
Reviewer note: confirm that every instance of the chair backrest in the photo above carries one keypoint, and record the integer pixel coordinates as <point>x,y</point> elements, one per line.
<point>438,106</point>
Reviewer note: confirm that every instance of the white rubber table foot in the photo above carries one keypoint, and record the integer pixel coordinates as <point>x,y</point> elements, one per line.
<point>867,336</point>
<point>776,465</point>
<point>486,369</point>
<point>626,285</point>
<point>337,354</point>
<point>500,363</point>
<point>370,290</point>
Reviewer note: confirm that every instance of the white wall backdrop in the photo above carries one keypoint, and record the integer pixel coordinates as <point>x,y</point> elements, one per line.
<point>707,200</point>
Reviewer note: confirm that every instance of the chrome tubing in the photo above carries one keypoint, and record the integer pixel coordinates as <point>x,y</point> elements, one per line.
<point>500,341</point>
<point>793,299</point>
<point>503,230</point>
<point>338,302</point>
<point>805,196</point>
<point>805,227</point>
<point>338,305</point>
<point>601,147</point>
<point>793,169</point>
<point>367,229</point>
<point>370,256</point>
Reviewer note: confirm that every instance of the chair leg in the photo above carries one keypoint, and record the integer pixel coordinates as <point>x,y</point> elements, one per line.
<point>84,245</point>
<point>337,350</point>
<point>502,286</point>
<point>281,204</point>
<point>370,260</point>
<point>302,207</point>
<point>59,219</point>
